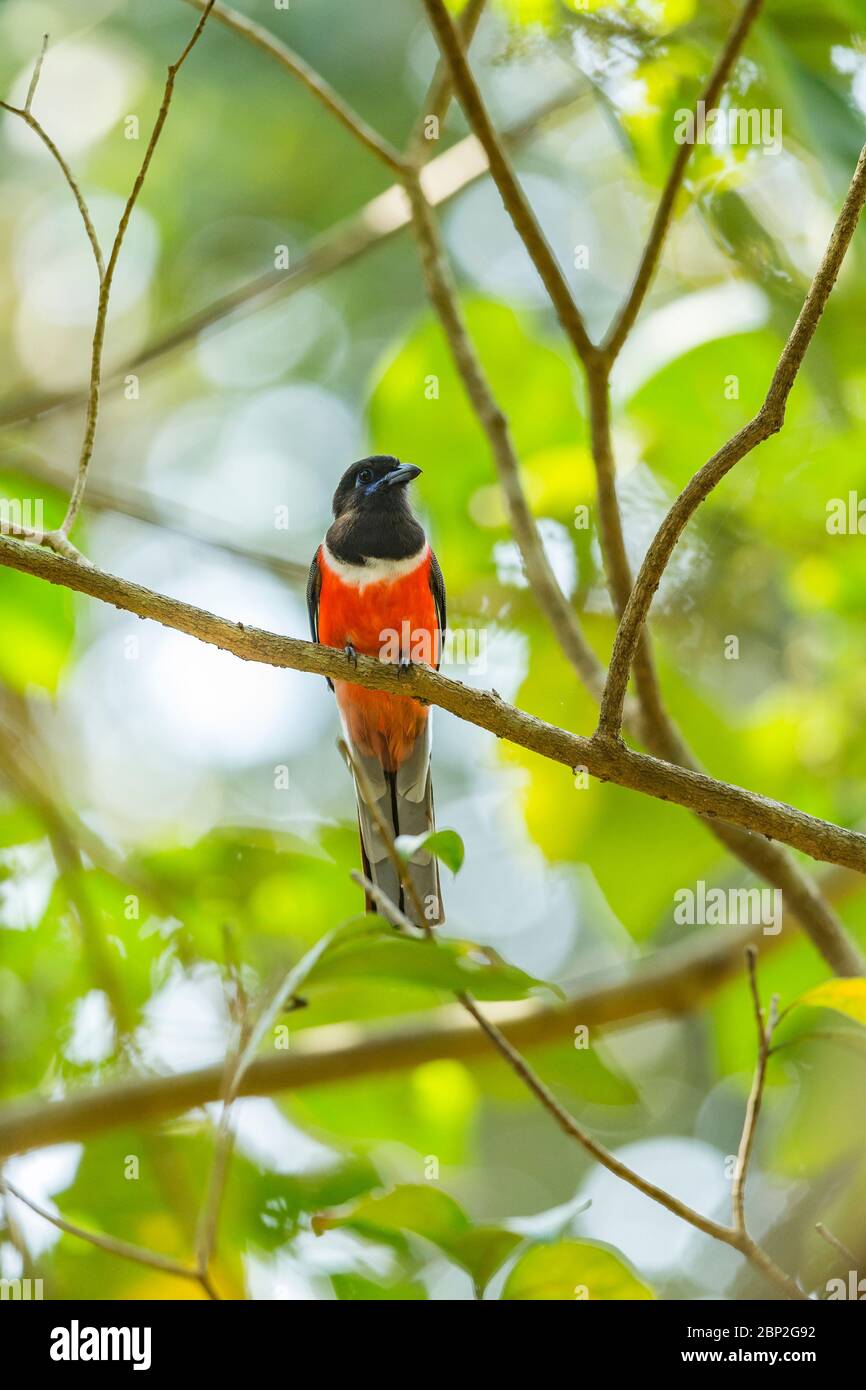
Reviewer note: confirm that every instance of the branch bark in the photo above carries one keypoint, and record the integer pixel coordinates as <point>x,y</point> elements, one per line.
<point>606,760</point>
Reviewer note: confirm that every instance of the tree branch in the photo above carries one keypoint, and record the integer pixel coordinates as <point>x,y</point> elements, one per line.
<point>665,210</point>
<point>440,93</point>
<point>107,279</point>
<point>606,760</point>
<point>768,421</point>
<point>39,130</point>
<point>836,1243</point>
<point>111,496</point>
<point>566,1122</point>
<point>381,219</point>
<point>443,296</point>
<point>136,1253</point>
<point>650,719</point>
<point>514,199</point>
<point>312,80</point>
<point>756,1095</point>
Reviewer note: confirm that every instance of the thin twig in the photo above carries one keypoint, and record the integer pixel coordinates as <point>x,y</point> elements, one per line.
<point>92,413</point>
<point>768,421</point>
<point>569,1126</point>
<point>138,1254</point>
<point>440,93</point>
<point>211,1208</point>
<point>664,212</point>
<point>543,581</point>
<point>312,80</point>
<point>37,69</point>
<point>38,129</point>
<point>372,227</point>
<point>753,1106</point>
<point>836,1243</point>
<point>514,199</point>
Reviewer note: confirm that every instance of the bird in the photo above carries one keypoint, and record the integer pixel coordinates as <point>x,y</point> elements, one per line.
<point>375,587</point>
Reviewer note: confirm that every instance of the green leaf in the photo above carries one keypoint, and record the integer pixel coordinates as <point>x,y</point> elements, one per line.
<point>426,1211</point>
<point>423,1211</point>
<point>451,966</point>
<point>482,1251</point>
<point>572,1270</point>
<point>445,844</point>
<point>288,990</point>
<point>354,1286</point>
<point>845,996</point>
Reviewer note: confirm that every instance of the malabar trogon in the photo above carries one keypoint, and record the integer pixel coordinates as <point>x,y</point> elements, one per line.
<point>375,587</point>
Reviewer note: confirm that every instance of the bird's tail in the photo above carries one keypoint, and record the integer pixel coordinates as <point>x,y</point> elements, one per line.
<point>404,800</point>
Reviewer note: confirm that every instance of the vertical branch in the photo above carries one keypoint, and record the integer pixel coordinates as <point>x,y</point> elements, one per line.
<point>514,199</point>
<point>768,421</point>
<point>443,297</point>
<point>665,210</point>
<point>753,1107</point>
<point>737,1239</point>
<point>312,80</point>
<point>615,558</point>
<point>106,280</point>
<point>441,91</point>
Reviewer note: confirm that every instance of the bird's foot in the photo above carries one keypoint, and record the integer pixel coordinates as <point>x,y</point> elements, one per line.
<point>350,654</point>
<point>404,665</point>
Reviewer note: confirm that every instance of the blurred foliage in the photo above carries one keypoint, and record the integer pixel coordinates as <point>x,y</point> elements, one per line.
<point>212,815</point>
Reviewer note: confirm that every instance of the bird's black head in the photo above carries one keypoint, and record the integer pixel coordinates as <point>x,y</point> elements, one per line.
<point>372,515</point>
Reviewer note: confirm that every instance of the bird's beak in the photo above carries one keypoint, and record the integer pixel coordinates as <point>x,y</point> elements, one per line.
<point>400,475</point>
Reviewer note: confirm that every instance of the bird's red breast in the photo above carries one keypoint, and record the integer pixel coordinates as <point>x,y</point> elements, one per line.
<point>386,611</point>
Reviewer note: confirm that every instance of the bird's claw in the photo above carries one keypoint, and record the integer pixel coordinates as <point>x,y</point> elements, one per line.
<point>404,665</point>
<point>350,654</point>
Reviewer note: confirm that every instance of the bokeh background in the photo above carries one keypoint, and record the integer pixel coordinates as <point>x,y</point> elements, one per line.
<point>211,789</point>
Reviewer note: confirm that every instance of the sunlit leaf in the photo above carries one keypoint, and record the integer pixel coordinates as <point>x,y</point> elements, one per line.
<point>845,996</point>
<point>572,1270</point>
<point>445,844</point>
<point>453,966</point>
<point>431,1213</point>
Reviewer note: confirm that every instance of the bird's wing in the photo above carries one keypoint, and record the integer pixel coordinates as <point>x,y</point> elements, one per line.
<point>314,589</point>
<point>437,588</point>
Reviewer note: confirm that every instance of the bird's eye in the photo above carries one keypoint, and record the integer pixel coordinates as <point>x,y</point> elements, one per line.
<point>365,476</point>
